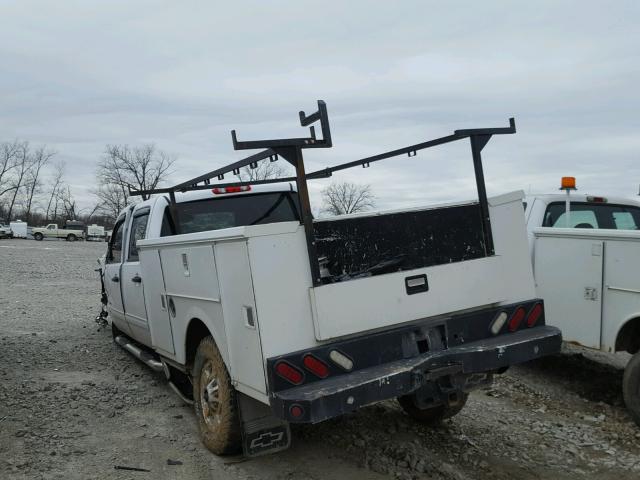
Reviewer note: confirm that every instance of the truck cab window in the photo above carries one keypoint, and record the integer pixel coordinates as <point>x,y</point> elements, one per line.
<point>593,215</point>
<point>226,212</point>
<point>115,247</point>
<point>51,227</point>
<point>138,230</point>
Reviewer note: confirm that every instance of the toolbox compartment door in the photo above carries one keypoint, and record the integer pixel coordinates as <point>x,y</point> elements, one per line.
<point>380,301</point>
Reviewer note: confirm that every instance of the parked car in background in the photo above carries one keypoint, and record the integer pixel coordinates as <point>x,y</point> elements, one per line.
<point>70,231</point>
<point>96,233</point>
<point>586,265</point>
<point>5,231</point>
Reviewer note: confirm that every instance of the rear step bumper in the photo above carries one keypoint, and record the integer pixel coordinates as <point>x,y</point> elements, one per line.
<point>338,395</point>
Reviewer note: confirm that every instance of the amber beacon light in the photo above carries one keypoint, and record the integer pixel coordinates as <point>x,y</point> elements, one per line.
<point>568,183</point>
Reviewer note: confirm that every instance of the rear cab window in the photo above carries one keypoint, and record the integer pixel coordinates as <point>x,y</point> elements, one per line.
<point>593,215</point>
<point>234,211</point>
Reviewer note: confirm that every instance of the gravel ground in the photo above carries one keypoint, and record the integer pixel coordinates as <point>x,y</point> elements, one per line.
<point>74,405</point>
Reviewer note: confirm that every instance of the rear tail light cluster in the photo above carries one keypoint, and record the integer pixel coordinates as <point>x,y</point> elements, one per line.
<point>516,319</point>
<point>312,364</point>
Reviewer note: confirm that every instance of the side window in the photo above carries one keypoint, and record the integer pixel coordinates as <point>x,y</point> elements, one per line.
<point>593,215</point>
<point>115,247</point>
<point>579,219</point>
<point>138,229</point>
<point>624,221</point>
<point>51,227</point>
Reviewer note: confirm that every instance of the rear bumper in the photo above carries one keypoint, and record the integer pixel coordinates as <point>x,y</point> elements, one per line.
<point>338,395</point>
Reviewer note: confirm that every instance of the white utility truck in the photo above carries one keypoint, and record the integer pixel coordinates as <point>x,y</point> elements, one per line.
<point>586,263</point>
<point>261,315</point>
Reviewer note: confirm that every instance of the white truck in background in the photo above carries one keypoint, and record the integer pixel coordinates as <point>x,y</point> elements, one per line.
<point>70,231</point>
<point>261,315</point>
<point>96,233</point>
<point>588,273</point>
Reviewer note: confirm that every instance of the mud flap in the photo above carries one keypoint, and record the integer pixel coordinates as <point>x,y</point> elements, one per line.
<point>262,432</point>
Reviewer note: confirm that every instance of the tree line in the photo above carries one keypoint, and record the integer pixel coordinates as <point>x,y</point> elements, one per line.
<point>34,187</point>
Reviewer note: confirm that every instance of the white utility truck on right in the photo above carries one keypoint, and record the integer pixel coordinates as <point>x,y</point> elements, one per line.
<point>586,261</point>
<point>261,315</point>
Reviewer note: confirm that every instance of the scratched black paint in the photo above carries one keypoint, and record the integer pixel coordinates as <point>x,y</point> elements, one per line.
<point>372,245</point>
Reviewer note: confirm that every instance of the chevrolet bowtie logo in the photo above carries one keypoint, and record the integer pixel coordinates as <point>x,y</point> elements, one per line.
<point>266,439</point>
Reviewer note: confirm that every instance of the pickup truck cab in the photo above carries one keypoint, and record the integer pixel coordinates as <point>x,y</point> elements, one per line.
<point>70,232</point>
<point>587,273</point>
<point>261,315</point>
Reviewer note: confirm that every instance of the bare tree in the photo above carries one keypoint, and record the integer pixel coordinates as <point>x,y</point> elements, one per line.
<point>264,170</point>
<point>57,183</point>
<point>123,167</point>
<point>69,205</point>
<point>23,165</point>
<point>38,159</point>
<point>111,199</point>
<point>345,197</point>
<point>8,161</point>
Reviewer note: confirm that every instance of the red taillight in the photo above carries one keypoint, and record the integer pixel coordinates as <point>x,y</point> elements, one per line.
<point>243,188</point>
<point>534,314</point>
<point>516,319</point>
<point>296,411</point>
<point>289,373</point>
<point>315,366</point>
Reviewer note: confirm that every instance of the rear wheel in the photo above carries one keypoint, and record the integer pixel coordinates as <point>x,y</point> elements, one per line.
<point>433,415</point>
<point>37,236</point>
<point>631,387</point>
<point>71,237</point>
<point>215,401</point>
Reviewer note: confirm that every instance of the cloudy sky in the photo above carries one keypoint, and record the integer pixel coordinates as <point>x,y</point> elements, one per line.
<point>78,75</point>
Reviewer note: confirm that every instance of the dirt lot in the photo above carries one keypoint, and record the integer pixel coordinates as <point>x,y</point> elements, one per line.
<point>73,405</point>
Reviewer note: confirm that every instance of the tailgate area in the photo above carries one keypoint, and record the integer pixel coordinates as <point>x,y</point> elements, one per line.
<point>369,303</point>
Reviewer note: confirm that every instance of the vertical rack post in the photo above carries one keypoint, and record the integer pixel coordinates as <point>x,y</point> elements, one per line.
<point>294,156</point>
<point>477,144</point>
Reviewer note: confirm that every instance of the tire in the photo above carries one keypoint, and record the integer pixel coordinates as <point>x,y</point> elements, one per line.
<point>631,387</point>
<point>71,237</point>
<point>38,236</point>
<point>215,401</point>
<point>433,415</point>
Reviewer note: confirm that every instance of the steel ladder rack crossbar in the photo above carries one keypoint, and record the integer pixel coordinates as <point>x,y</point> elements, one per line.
<point>291,150</point>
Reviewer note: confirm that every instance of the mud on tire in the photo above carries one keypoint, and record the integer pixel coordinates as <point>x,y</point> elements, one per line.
<point>434,415</point>
<point>631,387</point>
<point>215,401</point>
